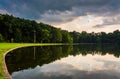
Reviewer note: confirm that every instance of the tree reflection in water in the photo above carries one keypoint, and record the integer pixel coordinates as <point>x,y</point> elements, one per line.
<point>47,59</point>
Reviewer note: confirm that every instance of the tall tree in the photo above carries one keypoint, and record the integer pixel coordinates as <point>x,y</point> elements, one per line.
<point>1,38</point>
<point>56,36</point>
<point>66,37</point>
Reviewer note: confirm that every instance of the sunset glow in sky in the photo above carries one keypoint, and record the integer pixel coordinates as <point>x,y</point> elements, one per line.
<point>78,15</point>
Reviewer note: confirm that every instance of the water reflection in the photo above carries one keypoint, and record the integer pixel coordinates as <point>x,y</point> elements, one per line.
<point>34,53</point>
<point>65,62</point>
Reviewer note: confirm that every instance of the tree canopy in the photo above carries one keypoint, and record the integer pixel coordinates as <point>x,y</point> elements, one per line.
<point>14,29</point>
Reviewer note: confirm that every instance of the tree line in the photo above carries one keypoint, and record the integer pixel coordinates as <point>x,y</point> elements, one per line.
<point>14,29</point>
<point>99,38</point>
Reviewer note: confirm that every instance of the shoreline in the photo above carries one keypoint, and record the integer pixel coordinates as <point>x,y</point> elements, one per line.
<point>4,66</point>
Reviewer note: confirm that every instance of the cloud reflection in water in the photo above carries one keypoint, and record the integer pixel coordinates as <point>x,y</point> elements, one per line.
<point>75,67</point>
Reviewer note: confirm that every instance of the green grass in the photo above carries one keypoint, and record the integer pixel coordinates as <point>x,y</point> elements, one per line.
<point>7,46</point>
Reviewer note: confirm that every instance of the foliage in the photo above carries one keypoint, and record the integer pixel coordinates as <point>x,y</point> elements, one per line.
<point>101,37</point>
<point>1,38</point>
<point>13,29</point>
<point>66,37</point>
<point>57,36</point>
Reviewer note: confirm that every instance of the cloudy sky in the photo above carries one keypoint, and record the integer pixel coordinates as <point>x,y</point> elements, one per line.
<point>78,15</point>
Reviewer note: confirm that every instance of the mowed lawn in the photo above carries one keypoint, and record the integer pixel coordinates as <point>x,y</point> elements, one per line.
<point>7,46</point>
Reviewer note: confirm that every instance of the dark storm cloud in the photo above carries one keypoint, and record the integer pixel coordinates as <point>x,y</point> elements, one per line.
<point>35,9</point>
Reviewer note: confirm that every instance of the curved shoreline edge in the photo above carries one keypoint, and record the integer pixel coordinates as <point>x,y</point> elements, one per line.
<point>4,66</point>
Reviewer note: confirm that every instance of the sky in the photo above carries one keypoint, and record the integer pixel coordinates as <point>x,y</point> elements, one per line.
<point>71,15</point>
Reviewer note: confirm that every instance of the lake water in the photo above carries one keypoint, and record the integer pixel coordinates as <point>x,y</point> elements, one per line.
<point>85,61</point>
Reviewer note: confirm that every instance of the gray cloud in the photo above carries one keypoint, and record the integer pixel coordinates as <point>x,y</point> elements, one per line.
<point>57,17</point>
<point>36,7</point>
<point>110,20</point>
<point>61,11</point>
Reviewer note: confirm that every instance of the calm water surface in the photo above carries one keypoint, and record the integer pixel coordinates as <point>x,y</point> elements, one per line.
<point>65,62</point>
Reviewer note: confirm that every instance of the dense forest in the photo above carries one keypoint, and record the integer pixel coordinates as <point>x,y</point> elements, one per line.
<point>14,29</point>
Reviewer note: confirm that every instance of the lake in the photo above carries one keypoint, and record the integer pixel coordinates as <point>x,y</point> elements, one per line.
<point>84,61</point>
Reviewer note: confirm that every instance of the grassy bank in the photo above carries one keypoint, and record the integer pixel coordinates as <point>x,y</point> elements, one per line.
<point>7,46</point>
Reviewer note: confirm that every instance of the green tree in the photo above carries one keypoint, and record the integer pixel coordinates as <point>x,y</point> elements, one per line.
<point>66,37</point>
<point>75,35</point>
<point>1,38</point>
<point>45,35</point>
<point>56,36</point>
<point>17,35</point>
